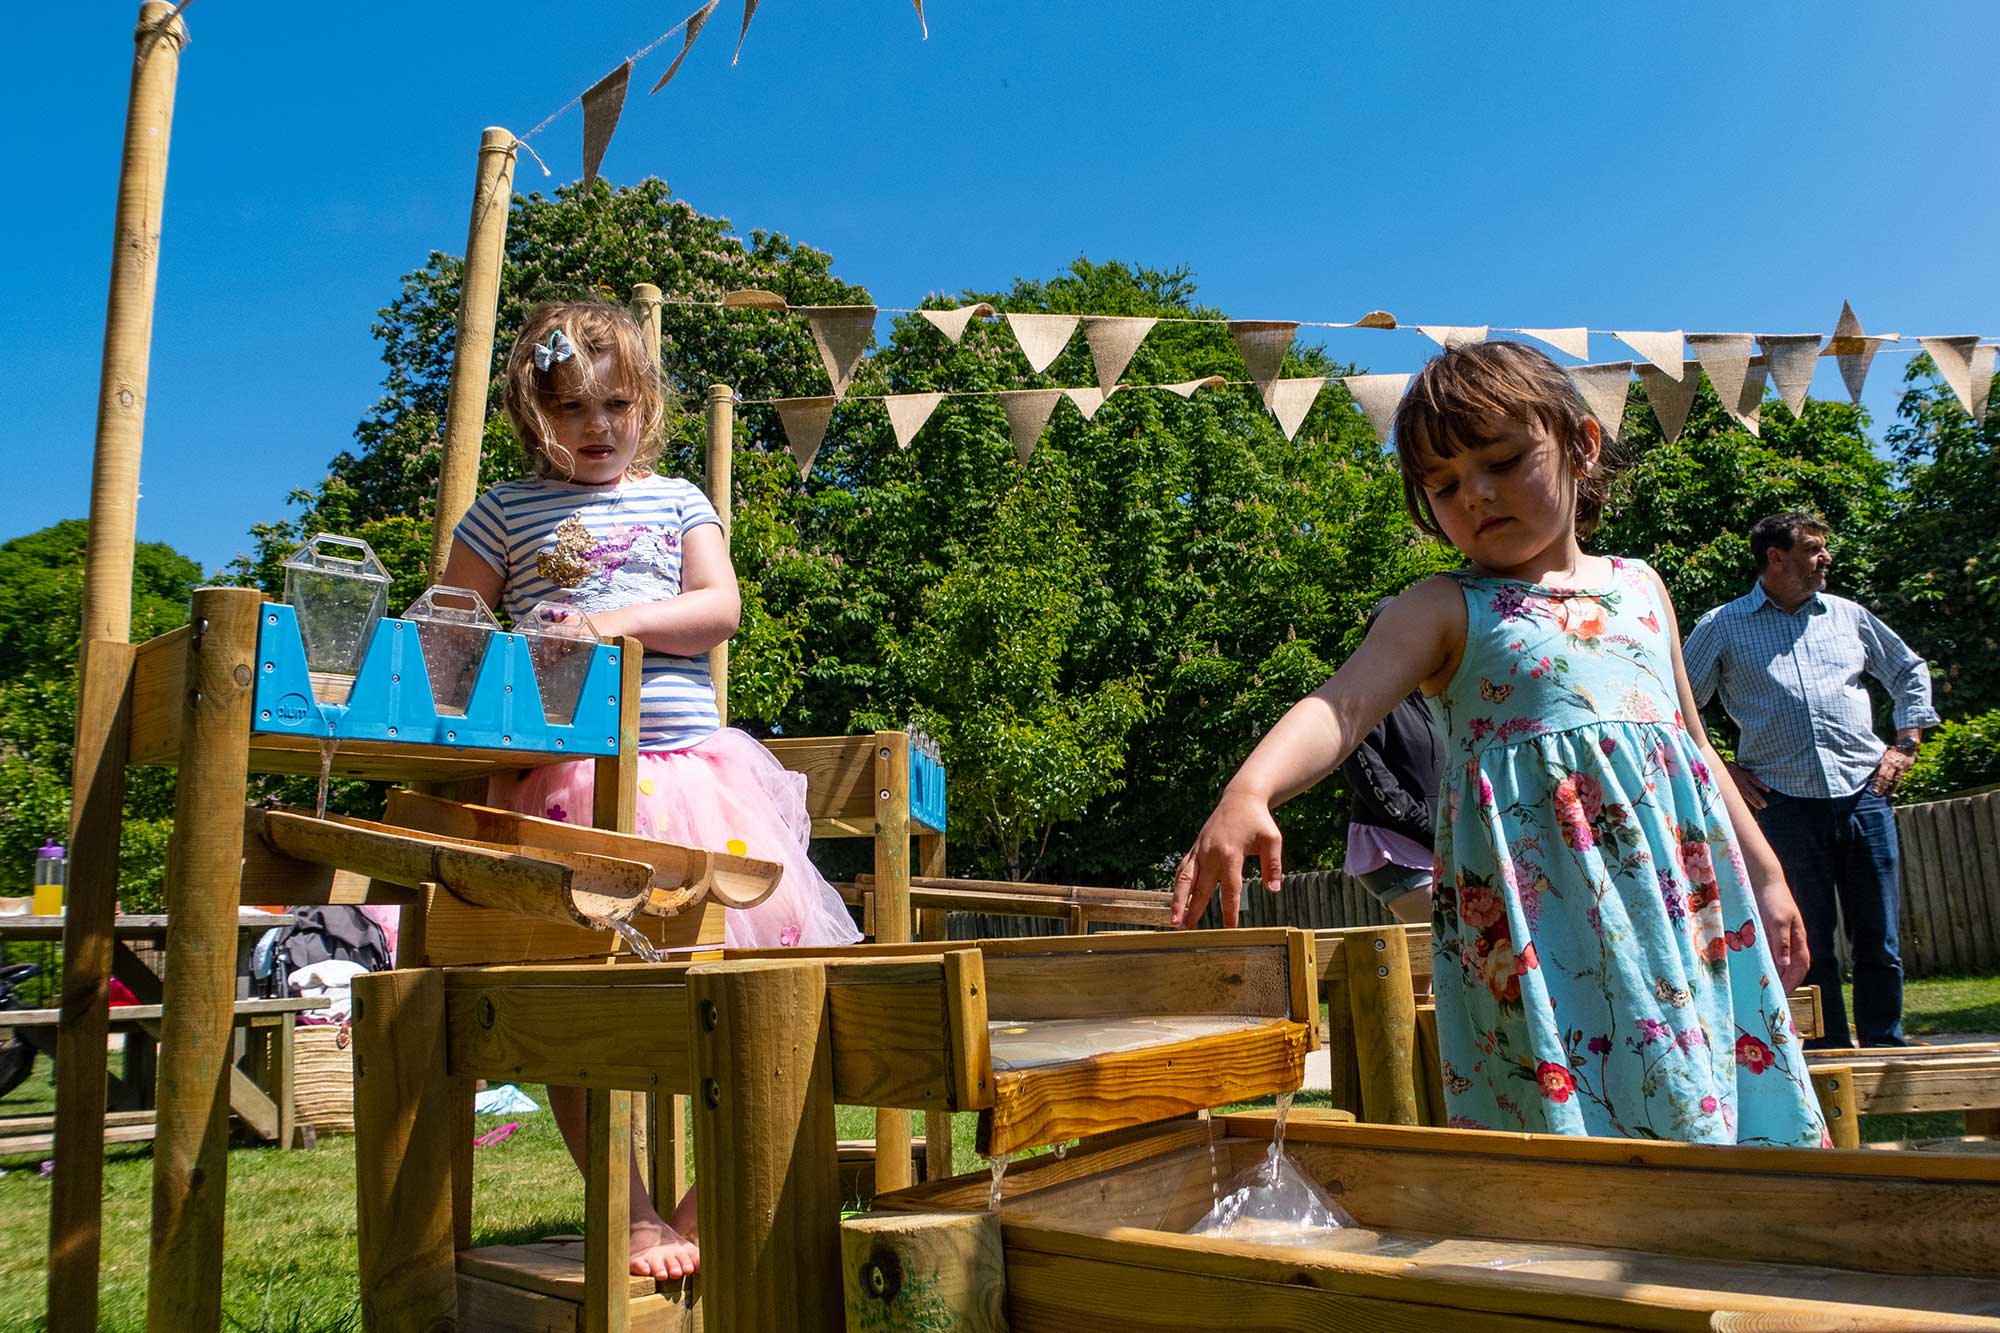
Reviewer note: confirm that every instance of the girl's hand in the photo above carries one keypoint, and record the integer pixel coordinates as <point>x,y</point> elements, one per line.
<point>1241,826</point>
<point>1785,932</point>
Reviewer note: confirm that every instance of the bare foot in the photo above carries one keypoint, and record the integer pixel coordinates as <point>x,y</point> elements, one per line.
<point>661,1252</point>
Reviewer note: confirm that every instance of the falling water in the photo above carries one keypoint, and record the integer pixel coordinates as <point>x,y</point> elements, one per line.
<point>640,944</point>
<point>1214,1178</point>
<point>998,1164</point>
<point>327,745</point>
<point>1278,1132</point>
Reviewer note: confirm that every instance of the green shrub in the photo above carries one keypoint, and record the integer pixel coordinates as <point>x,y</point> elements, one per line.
<point>1956,757</point>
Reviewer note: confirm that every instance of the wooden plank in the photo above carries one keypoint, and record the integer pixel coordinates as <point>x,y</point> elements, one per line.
<point>1381,993</point>
<point>1302,980</point>
<point>607,1209</point>
<point>1944,932</point>
<point>1833,1085</point>
<point>962,997</point>
<point>1974,889</point>
<point>1942,830</point>
<point>1806,1015</point>
<point>893,921</point>
<point>494,1306</point>
<point>1931,1081</point>
<point>391,761</point>
<point>159,685</point>
<point>462,933</point>
<point>131,1014</point>
<point>1428,1071</point>
<point>967,1021</point>
<point>1251,982</point>
<point>1057,1102</point>
<point>550,1267</point>
<point>1983,820</point>
<point>839,771</point>
<point>1912,920</point>
<point>893,1038</point>
<point>580,1036</point>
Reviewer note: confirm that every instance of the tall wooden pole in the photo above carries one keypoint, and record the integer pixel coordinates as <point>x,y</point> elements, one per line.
<point>721,408</point>
<point>98,790</point>
<point>892,924</point>
<point>472,355</point>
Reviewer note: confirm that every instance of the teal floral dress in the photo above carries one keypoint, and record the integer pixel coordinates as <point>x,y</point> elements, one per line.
<point>1599,967</point>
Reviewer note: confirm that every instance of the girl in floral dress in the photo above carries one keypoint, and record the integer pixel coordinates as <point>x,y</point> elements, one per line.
<point>1614,940</point>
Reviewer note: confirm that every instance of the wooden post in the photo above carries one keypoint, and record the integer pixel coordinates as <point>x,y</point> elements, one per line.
<point>607,1210</point>
<point>934,924</point>
<point>204,887</point>
<point>721,408</point>
<point>1382,994</point>
<point>403,1153</point>
<point>1429,1070</point>
<point>904,1273</point>
<point>472,354</point>
<point>892,924</point>
<point>760,1034</point>
<point>1834,1086</point>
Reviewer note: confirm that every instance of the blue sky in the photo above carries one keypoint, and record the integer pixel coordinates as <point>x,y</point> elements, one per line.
<point>1706,166</point>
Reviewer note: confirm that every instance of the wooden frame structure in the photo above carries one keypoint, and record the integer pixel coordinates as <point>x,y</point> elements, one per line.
<point>1904,1080</point>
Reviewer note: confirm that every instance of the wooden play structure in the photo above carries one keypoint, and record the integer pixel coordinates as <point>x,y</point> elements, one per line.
<point>1047,1039</point>
<point>1903,1080</point>
<point>1455,1229</point>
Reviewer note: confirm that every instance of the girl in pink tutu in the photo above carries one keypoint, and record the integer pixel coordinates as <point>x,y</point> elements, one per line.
<point>642,556</point>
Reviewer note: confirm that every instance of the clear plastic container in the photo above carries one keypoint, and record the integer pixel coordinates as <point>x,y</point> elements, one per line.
<point>51,875</point>
<point>561,643</point>
<point>454,629</point>
<point>339,591</point>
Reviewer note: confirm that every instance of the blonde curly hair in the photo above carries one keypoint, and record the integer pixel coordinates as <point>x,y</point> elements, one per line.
<point>593,328</point>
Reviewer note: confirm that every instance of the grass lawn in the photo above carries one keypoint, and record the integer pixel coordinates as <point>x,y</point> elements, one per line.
<point>290,1257</point>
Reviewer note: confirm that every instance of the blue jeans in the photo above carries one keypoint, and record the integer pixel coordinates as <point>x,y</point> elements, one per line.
<point>1843,849</point>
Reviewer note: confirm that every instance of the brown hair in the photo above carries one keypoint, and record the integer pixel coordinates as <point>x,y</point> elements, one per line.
<point>1781,532</point>
<point>1457,401</point>
<point>593,328</point>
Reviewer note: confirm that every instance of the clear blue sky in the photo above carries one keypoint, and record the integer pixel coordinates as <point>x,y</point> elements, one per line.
<point>1712,167</point>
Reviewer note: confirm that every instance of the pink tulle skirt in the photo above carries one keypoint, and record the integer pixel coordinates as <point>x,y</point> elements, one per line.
<point>726,794</point>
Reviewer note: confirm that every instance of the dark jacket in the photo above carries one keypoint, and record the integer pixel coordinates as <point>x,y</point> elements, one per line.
<point>1393,774</point>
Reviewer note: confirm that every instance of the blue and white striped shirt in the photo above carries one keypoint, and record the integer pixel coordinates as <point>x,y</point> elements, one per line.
<point>1792,681</point>
<point>622,547</point>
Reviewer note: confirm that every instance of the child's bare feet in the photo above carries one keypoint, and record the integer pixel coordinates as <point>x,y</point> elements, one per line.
<point>660,1251</point>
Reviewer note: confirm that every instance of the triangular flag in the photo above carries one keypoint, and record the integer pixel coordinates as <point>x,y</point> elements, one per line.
<point>1453,335</point>
<point>1290,400</point>
<point>694,23</point>
<point>1792,357</point>
<point>1263,344</point>
<point>1377,397</point>
<point>1087,399</point>
<point>1854,349</point>
<point>841,333</point>
<point>1605,388</point>
<point>1186,388</point>
<point>1847,339</point>
<point>922,22</point>
<point>1726,358</point>
<point>1376,319</point>
<point>1662,349</point>
<point>1954,361</point>
<point>804,420</point>
<point>1749,406</point>
<point>1574,341</point>
<point>951,323</point>
<point>1670,395</point>
<point>752,298</point>
<point>1042,337</point>
<point>1113,339</point>
<point>908,412</point>
<point>601,106</point>
<point>1982,381</point>
<point>749,8</point>
<point>1027,412</point>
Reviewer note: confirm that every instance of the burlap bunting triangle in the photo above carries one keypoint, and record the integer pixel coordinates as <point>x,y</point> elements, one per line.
<point>1263,344</point>
<point>1453,335</point>
<point>1027,412</point>
<point>1792,358</point>
<point>1574,341</point>
<point>841,333</point>
<point>1042,337</point>
<point>1670,395</point>
<point>1854,350</point>
<point>908,412</point>
<point>1749,402</point>
<point>1982,381</point>
<point>1726,358</point>
<point>1113,339</point>
<point>1605,388</point>
<point>951,323</point>
<point>749,8</point>
<point>694,21</point>
<point>1953,356</point>
<point>1663,349</point>
<point>1088,399</point>
<point>1186,388</point>
<point>1376,319</point>
<point>1377,397</point>
<point>804,420</point>
<point>922,22</point>
<point>1291,400</point>
<point>601,108</point>
<point>753,298</point>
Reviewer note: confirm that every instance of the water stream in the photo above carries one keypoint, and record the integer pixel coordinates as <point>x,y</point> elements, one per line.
<point>1214,1171</point>
<point>1278,1134</point>
<point>639,943</point>
<point>327,745</point>
<point>997,1163</point>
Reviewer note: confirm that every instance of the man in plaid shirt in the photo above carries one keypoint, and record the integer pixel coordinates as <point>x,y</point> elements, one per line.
<point>1788,660</point>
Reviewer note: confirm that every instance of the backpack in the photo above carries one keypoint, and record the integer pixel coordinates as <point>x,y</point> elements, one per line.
<point>317,934</point>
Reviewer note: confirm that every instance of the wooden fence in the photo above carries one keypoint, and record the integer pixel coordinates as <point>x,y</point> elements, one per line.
<point>1951,893</point>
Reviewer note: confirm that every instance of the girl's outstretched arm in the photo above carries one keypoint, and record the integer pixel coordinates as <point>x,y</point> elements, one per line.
<point>706,612</point>
<point>1417,640</point>
<point>1784,928</point>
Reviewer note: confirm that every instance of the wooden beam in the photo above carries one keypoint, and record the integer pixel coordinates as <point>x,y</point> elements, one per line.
<point>1925,1079</point>
<point>575,1036</point>
<point>1834,1086</point>
<point>607,1212</point>
<point>1381,994</point>
<point>911,1272</point>
<point>719,420</point>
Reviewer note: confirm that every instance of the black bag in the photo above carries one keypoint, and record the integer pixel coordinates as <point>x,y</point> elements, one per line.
<point>17,1058</point>
<point>320,933</point>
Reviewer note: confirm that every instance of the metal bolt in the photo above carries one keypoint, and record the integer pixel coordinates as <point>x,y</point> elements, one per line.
<point>710,1017</point>
<point>395,678</point>
<point>271,620</point>
<point>194,698</point>
<point>486,1012</point>
<point>506,740</point>
<point>451,735</point>
<point>885,793</point>
<point>877,1280</point>
<point>711,1093</point>
<point>269,667</point>
<point>1380,945</point>
<point>510,689</point>
<point>884,752</point>
<point>392,731</point>
<point>264,716</point>
<point>1382,971</point>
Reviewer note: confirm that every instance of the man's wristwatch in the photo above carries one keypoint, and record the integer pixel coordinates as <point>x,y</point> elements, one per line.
<point>1907,744</point>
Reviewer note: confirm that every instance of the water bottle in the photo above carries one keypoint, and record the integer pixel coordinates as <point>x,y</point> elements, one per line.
<point>51,874</point>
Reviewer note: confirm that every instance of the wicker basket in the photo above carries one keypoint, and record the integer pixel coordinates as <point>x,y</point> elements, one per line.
<point>323,1079</point>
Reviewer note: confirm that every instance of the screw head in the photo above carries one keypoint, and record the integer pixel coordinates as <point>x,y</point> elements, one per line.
<point>711,1093</point>
<point>711,1018</point>
<point>1381,945</point>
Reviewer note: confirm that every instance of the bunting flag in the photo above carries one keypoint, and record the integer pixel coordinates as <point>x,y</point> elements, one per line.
<point>601,107</point>
<point>1574,341</point>
<point>1027,412</point>
<point>1042,337</point>
<point>1605,388</point>
<point>1854,350</point>
<point>1088,400</point>
<point>1792,358</point>
<point>1376,319</point>
<point>922,22</point>
<point>1186,388</point>
<point>1749,400</point>
<point>908,412</point>
<point>804,420</point>
<point>692,31</point>
<point>951,323</point>
<point>1113,339</point>
<point>749,8</point>
<point>1263,344</point>
<point>1670,395</point>
<point>1726,358</point>
<point>753,298</point>
<point>1453,335</point>
<point>841,333</point>
<point>1662,349</point>
<point>1291,400</point>
<point>1954,361</point>
<point>1377,397</point>
<point>1982,381</point>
